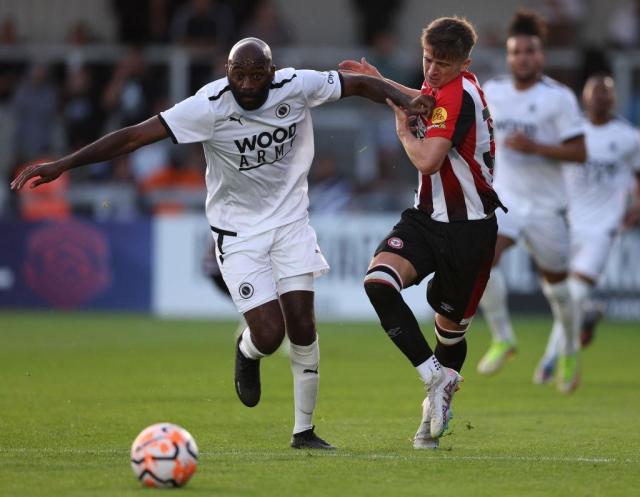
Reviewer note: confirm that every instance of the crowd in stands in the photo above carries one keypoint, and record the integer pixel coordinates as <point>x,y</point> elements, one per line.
<point>47,110</point>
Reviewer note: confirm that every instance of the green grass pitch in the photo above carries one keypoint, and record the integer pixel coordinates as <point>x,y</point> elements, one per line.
<point>76,389</point>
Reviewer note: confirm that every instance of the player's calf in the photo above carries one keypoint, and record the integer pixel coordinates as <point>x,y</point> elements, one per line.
<point>451,349</point>
<point>382,285</point>
<point>248,355</point>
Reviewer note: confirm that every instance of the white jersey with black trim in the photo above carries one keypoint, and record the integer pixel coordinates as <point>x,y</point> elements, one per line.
<point>257,161</point>
<point>547,113</point>
<point>599,189</point>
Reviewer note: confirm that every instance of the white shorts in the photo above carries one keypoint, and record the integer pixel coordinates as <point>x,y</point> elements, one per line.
<point>546,236</point>
<point>589,251</point>
<point>253,265</point>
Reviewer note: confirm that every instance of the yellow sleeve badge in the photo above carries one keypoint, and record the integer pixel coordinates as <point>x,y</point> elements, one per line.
<point>439,115</point>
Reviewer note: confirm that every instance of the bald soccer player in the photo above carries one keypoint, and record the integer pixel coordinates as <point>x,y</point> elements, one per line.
<point>255,128</point>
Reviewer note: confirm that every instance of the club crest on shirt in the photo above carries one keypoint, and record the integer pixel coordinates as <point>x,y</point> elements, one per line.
<point>439,115</point>
<point>395,243</point>
<point>283,110</point>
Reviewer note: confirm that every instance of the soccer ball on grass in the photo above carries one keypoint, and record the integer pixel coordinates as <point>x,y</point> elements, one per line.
<point>164,455</point>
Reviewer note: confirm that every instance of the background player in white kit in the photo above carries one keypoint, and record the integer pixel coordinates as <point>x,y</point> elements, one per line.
<point>538,126</point>
<point>598,192</point>
<point>256,131</point>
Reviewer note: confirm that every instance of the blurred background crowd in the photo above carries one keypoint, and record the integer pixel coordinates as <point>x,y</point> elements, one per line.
<point>71,71</point>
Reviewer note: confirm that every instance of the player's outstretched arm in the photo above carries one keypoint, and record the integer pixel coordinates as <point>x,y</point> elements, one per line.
<point>364,67</point>
<point>572,150</point>
<point>378,90</point>
<point>426,155</point>
<point>114,144</point>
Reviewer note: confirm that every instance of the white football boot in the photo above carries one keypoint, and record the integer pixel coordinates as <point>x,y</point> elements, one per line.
<point>440,394</point>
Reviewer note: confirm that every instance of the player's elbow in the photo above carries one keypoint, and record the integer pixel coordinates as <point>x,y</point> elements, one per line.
<point>428,165</point>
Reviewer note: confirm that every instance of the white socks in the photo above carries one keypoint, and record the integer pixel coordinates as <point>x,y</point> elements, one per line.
<point>579,292</point>
<point>555,344</point>
<point>306,378</point>
<point>563,312</point>
<point>494,308</point>
<point>247,347</point>
<point>429,369</point>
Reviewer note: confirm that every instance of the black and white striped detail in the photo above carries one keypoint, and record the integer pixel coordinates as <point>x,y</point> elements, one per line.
<point>383,273</point>
<point>449,337</point>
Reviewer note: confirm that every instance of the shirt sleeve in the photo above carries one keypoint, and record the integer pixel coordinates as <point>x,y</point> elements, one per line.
<point>453,114</point>
<point>189,121</point>
<point>320,87</point>
<point>569,120</point>
<point>634,156</point>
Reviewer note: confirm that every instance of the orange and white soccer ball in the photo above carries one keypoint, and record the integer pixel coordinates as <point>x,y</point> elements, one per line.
<point>164,455</point>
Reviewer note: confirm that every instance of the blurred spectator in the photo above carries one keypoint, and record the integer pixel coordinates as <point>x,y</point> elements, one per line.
<point>178,187</point>
<point>34,107</point>
<point>243,11</point>
<point>386,56</point>
<point>267,25</point>
<point>203,23</point>
<point>8,32</point>
<point>80,34</point>
<point>329,191</point>
<point>9,72</point>
<point>130,92</point>
<point>376,16</point>
<point>141,21</point>
<point>564,20</point>
<point>149,160</point>
<point>80,113</point>
<point>624,25</point>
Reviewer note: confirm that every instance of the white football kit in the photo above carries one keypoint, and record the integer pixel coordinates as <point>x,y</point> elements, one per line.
<point>598,191</point>
<point>257,167</point>
<point>532,186</point>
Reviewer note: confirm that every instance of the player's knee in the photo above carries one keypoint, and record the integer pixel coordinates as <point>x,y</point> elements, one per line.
<point>449,337</point>
<point>381,282</point>
<point>303,330</point>
<point>268,337</point>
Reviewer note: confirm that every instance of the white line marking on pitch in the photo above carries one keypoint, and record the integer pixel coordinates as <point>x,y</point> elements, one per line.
<point>440,454</point>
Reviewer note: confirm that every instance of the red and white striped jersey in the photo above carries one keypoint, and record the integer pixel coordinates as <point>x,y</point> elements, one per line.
<point>461,189</point>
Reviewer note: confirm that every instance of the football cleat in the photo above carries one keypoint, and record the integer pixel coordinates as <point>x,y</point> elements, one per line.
<point>496,357</point>
<point>545,370</point>
<point>440,394</point>
<point>592,316</point>
<point>568,376</point>
<point>309,440</point>
<point>247,378</point>
<point>423,439</point>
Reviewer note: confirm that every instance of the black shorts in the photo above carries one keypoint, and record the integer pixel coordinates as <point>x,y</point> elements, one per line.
<point>460,254</point>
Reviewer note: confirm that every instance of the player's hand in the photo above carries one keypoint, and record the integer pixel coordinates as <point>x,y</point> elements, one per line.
<point>631,217</point>
<point>43,172</point>
<point>422,105</point>
<point>402,120</point>
<point>521,143</point>
<point>362,67</point>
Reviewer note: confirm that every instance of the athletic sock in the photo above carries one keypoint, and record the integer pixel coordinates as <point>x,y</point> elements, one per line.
<point>306,378</point>
<point>495,310</point>
<point>398,322</point>
<point>555,343</point>
<point>429,369</point>
<point>451,349</point>
<point>247,347</point>
<point>563,312</point>
<point>580,291</point>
